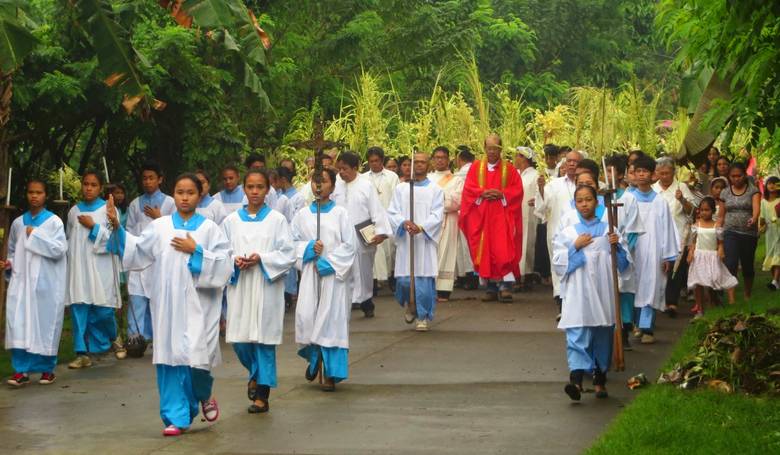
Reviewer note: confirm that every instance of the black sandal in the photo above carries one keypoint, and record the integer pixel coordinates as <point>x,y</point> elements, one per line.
<point>255,409</point>
<point>573,391</point>
<point>251,390</point>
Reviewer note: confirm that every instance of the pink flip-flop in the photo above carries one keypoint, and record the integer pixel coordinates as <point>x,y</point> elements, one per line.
<point>210,409</point>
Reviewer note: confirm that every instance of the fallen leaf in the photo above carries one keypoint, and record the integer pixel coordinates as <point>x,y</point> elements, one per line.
<point>721,386</point>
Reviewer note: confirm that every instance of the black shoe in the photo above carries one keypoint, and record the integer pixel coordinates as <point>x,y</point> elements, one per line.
<point>771,286</point>
<point>355,305</point>
<point>368,313</point>
<point>255,409</point>
<point>309,375</point>
<point>573,391</point>
<point>368,308</point>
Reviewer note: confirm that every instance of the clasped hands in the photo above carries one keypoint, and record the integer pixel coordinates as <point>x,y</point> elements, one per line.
<point>412,228</point>
<point>492,194</point>
<point>244,262</point>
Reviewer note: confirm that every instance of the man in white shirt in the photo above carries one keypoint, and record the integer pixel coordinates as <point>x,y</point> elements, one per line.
<point>356,193</point>
<point>681,203</point>
<point>384,182</point>
<point>525,159</point>
<point>464,268</point>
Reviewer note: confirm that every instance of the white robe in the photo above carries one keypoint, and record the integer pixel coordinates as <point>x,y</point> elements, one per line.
<point>385,183</point>
<point>255,302</point>
<point>185,307</point>
<point>681,220</point>
<point>428,213</point>
<point>452,188</point>
<point>587,292</point>
<point>91,270</point>
<point>322,317</point>
<point>463,264</point>
<point>659,242</point>
<point>549,209</point>
<point>136,223</point>
<point>35,301</point>
<point>361,200</point>
<point>214,210</point>
<point>529,177</point>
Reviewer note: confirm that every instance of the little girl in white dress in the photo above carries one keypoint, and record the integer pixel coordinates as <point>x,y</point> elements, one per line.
<point>705,256</point>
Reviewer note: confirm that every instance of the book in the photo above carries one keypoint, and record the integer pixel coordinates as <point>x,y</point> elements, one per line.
<point>366,231</point>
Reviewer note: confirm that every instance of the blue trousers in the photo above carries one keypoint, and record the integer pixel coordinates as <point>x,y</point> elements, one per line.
<point>291,282</point>
<point>424,292</point>
<point>645,318</point>
<point>181,389</point>
<point>27,362</point>
<point>260,360</point>
<point>335,360</point>
<point>588,348</point>
<point>94,328</point>
<point>143,315</point>
<point>627,307</point>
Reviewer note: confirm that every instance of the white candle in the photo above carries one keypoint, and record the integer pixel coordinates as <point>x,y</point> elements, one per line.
<point>105,169</point>
<point>60,183</point>
<point>8,192</point>
<point>604,165</point>
<point>614,187</point>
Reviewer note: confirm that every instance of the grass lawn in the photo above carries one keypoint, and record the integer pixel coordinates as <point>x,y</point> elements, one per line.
<point>665,419</point>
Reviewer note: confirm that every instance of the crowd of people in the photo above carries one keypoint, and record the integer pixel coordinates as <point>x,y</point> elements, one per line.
<point>197,264</point>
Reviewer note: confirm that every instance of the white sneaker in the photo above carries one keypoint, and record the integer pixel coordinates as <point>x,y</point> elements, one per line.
<point>422,326</point>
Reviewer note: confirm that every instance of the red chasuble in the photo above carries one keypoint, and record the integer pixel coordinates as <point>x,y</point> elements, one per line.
<point>494,232</point>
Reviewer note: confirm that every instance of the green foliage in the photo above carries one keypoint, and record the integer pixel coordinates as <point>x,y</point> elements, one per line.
<point>16,39</point>
<point>740,41</point>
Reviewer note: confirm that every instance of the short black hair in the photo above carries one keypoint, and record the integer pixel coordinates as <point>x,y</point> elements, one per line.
<point>253,157</point>
<point>441,148</point>
<point>285,173</point>
<point>204,174</point>
<point>551,150</point>
<point>152,166</point>
<point>37,180</point>
<point>375,151</point>
<point>258,172</point>
<point>619,162</point>
<point>738,165</point>
<point>95,173</point>
<point>591,166</point>
<point>232,168</point>
<point>189,176</point>
<point>564,149</point>
<point>635,154</point>
<point>586,187</point>
<point>644,162</point>
<point>388,158</point>
<point>768,182</point>
<point>349,158</point>
<point>465,154</point>
<point>709,201</point>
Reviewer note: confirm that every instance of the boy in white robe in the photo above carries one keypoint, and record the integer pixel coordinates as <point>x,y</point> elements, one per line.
<point>143,210</point>
<point>581,257</point>
<point>263,252</point>
<point>292,204</point>
<point>425,232</point>
<point>356,194</point>
<point>525,163</point>
<point>325,262</point>
<point>209,206</point>
<point>92,292</point>
<point>655,251</point>
<point>188,260</point>
<point>452,188</point>
<point>385,182</point>
<point>35,301</point>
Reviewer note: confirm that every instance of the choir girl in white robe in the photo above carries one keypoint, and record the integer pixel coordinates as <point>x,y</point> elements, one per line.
<point>655,251</point>
<point>92,290</point>
<point>425,232</point>
<point>263,252</point>
<point>209,206</point>
<point>35,301</point>
<point>323,310</point>
<point>152,204</point>
<point>581,258</point>
<point>188,257</point>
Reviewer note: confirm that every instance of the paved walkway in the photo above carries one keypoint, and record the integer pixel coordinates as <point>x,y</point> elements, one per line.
<point>487,379</point>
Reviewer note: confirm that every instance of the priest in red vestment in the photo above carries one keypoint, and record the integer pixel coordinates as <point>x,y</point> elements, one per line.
<point>491,218</point>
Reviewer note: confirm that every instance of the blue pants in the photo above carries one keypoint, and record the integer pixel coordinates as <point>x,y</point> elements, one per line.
<point>181,389</point>
<point>645,318</point>
<point>335,360</point>
<point>27,362</point>
<point>495,286</point>
<point>627,307</point>
<point>589,348</point>
<point>291,282</point>
<point>260,360</point>
<point>94,328</point>
<point>143,315</point>
<point>424,292</point>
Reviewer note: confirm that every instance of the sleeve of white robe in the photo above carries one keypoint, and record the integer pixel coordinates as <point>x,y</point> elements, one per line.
<point>282,257</point>
<point>48,240</point>
<point>395,212</point>
<point>11,246</point>
<point>562,247</point>
<point>629,221</point>
<point>342,256</point>
<point>433,222</point>
<point>540,202</point>
<point>133,219</point>
<point>138,252</point>
<point>217,263</point>
<point>378,214</point>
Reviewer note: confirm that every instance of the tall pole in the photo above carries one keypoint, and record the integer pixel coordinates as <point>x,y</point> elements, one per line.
<point>618,359</point>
